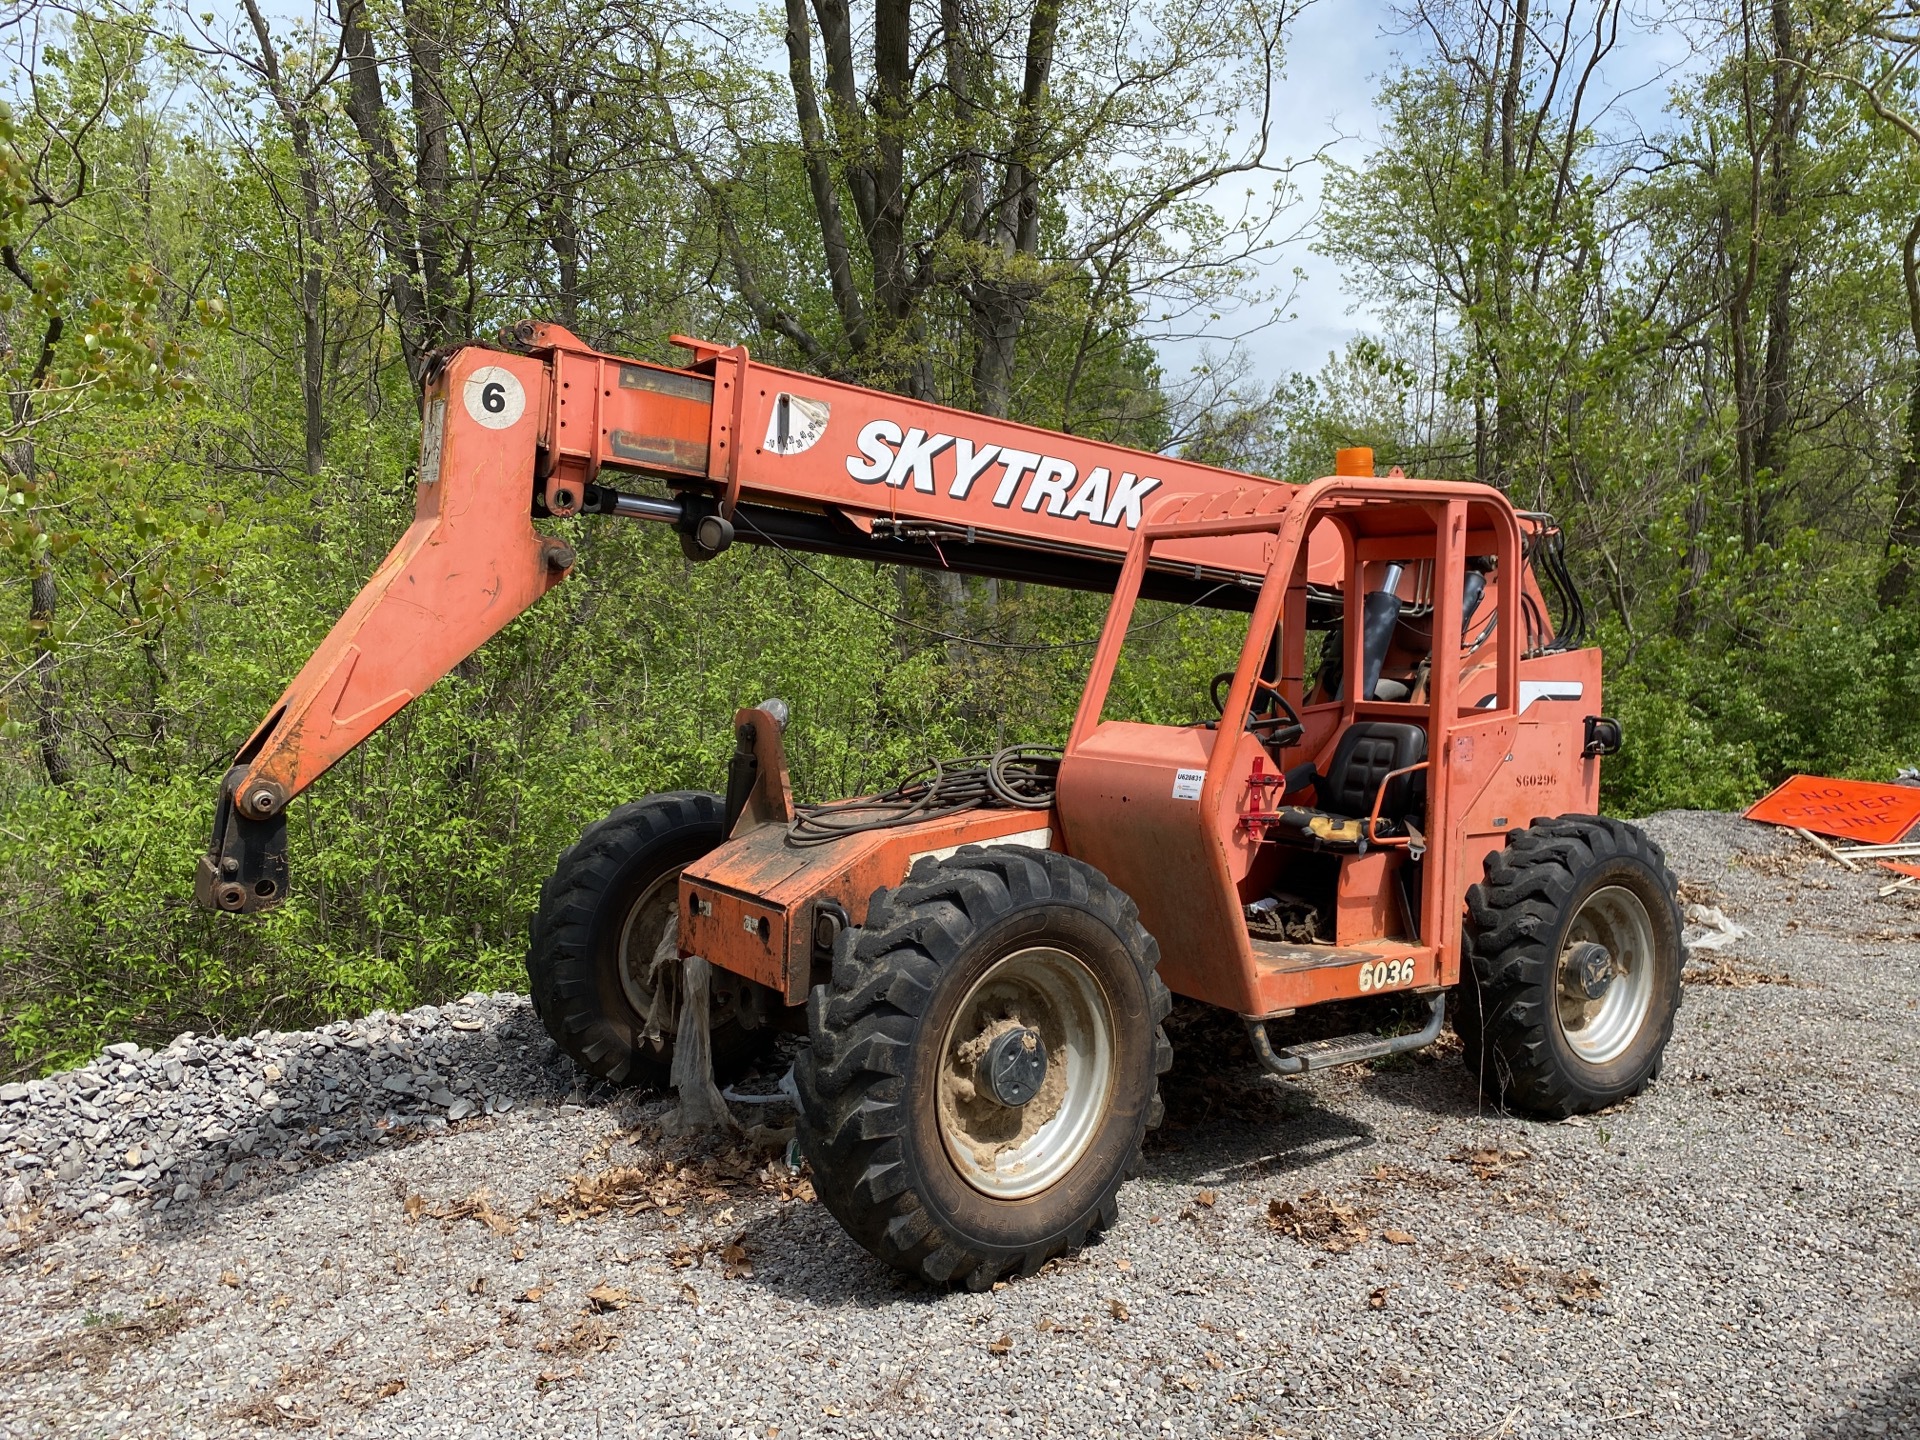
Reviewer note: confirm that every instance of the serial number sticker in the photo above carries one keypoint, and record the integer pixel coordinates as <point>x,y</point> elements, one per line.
<point>1187,783</point>
<point>1386,974</point>
<point>432,438</point>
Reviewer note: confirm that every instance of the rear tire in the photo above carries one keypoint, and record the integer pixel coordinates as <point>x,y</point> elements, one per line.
<point>926,1165</point>
<point>1572,980</point>
<point>604,915</point>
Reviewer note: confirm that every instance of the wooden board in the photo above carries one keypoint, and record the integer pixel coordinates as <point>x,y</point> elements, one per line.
<point>1846,809</point>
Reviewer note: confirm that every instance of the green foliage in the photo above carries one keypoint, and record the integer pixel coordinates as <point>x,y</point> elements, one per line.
<point>209,422</point>
<point>1834,692</point>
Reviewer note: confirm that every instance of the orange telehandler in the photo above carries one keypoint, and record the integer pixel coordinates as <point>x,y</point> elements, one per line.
<point>981,960</point>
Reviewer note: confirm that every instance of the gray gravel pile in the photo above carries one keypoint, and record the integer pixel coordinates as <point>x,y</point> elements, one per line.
<point>140,1129</point>
<point>1372,1251</point>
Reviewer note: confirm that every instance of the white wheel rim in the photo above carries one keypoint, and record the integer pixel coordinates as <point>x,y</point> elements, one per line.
<point>1010,1152</point>
<point>1601,1030</point>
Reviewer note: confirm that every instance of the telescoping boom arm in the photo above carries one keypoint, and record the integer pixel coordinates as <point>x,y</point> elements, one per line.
<point>735,450</point>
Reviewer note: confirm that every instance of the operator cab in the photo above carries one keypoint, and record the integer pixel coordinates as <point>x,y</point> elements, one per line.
<point>1296,830</point>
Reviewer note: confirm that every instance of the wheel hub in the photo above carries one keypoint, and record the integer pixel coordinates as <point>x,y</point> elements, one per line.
<point>1026,1072</point>
<point>1590,969</point>
<point>1606,974</point>
<point>1014,1067</point>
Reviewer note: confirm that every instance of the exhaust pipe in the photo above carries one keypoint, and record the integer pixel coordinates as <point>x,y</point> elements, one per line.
<point>1380,614</point>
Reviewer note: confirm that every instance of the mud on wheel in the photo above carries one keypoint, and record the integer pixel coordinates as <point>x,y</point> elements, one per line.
<point>1572,979</point>
<point>984,1065</point>
<point>603,967</point>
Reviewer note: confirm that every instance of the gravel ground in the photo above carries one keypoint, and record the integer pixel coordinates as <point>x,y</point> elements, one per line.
<point>417,1225</point>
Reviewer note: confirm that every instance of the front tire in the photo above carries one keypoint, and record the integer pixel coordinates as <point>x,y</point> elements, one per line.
<point>984,1065</point>
<point>1572,978</point>
<point>601,965</point>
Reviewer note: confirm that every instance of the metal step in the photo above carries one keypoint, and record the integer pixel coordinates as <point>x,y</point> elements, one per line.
<point>1336,1049</point>
<point>1342,1049</point>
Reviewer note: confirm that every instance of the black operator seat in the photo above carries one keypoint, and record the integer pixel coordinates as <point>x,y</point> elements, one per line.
<point>1367,754</point>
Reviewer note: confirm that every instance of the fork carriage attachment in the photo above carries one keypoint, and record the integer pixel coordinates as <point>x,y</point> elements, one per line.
<point>1410,820</point>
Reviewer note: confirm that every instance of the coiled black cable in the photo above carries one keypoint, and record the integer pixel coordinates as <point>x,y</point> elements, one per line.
<point>1020,777</point>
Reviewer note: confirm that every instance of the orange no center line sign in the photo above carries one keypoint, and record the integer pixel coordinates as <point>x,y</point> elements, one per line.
<point>1847,809</point>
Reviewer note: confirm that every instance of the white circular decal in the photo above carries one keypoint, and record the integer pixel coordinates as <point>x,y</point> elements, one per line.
<point>494,397</point>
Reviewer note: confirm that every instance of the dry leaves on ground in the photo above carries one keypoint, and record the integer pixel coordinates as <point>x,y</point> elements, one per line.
<point>1405,1177</point>
<point>1787,862</point>
<point>1490,1161</point>
<point>476,1206</point>
<point>588,1337</point>
<point>604,1297</point>
<point>1538,1283</point>
<point>269,1412</point>
<point>677,1172</point>
<point>1317,1219</point>
<point>735,1263</point>
<point>96,1345</point>
<point>1697,892</point>
<point>1728,973</point>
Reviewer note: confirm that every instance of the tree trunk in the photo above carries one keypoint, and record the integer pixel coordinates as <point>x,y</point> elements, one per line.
<point>22,463</point>
<point>821,182</point>
<point>367,109</point>
<point>997,317</point>
<point>561,201</point>
<point>1774,417</point>
<point>1001,296</point>
<point>312,284</point>
<point>1694,559</point>
<point>1746,420</point>
<point>1903,529</point>
<point>1507,401</point>
<point>432,169</point>
<point>46,675</point>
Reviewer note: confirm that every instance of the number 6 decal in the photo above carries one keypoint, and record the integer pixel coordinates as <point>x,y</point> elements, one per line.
<point>493,397</point>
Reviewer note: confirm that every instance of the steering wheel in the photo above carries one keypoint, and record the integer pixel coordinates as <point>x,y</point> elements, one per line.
<point>1279,730</point>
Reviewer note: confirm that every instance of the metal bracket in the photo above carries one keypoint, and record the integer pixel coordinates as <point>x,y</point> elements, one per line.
<point>245,867</point>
